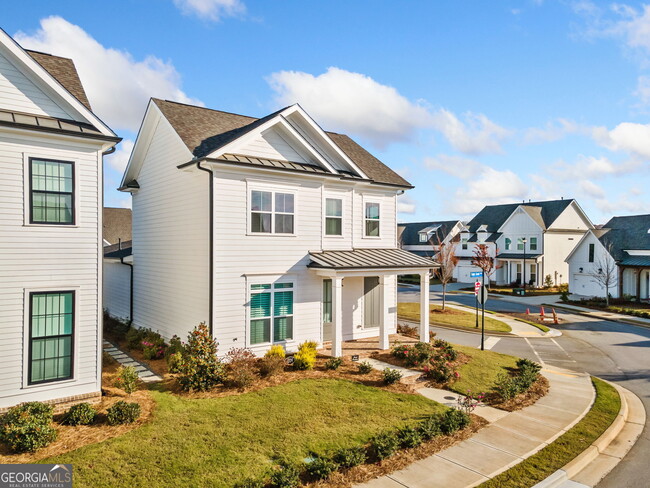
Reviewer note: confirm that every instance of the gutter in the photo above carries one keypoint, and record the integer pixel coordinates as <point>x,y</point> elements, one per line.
<point>211,246</point>
<point>130,290</point>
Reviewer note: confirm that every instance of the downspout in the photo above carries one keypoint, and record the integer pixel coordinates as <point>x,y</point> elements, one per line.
<point>211,247</point>
<point>130,265</point>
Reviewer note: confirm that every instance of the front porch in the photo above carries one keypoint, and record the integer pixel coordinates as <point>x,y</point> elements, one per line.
<point>368,307</point>
<point>365,347</point>
<point>518,269</point>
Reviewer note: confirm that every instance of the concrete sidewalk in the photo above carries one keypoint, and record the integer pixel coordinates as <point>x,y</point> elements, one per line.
<point>510,438</point>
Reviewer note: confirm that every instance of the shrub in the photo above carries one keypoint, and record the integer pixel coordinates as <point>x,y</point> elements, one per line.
<point>200,370</point>
<point>27,427</point>
<point>506,387</point>
<point>127,379</point>
<point>241,368</point>
<point>350,457</point>
<point>175,345</point>
<point>564,296</point>
<point>175,362</point>
<point>548,281</point>
<point>80,414</point>
<point>271,365</point>
<point>391,376</point>
<point>384,445</point>
<point>333,363</point>
<point>286,476</point>
<point>320,468</point>
<point>430,427</point>
<point>250,483</point>
<point>276,351</point>
<point>453,420</point>
<point>123,413</point>
<point>365,367</point>
<point>134,338</point>
<point>114,328</point>
<point>410,437</point>
<point>151,350</point>
<point>305,358</point>
<point>413,355</point>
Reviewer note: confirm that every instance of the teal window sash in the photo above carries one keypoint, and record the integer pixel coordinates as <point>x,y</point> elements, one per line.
<point>271,313</point>
<point>51,192</point>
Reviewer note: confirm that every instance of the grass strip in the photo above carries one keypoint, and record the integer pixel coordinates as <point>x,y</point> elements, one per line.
<point>480,374</point>
<point>541,327</point>
<point>566,447</point>
<point>451,317</point>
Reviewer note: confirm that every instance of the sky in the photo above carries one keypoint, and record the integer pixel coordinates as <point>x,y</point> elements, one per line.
<point>473,102</point>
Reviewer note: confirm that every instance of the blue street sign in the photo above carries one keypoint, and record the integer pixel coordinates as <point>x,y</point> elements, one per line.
<point>476,274</point>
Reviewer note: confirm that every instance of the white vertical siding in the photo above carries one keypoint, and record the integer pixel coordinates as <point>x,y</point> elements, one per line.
<point>557,247</point>
<point>117,289</point>
<point>272,145</point>
<point>48,257</point>
<point>170,239</point>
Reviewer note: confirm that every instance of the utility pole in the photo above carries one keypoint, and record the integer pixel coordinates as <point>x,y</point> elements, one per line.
<point>524,241</point>
<point>483,315</point>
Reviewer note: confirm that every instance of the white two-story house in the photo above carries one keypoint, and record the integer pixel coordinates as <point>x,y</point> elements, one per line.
<point>51,147</point>
<point>529,241</point>
<point>271,230</point>
<point>425,238</point>
<point>620,249</point>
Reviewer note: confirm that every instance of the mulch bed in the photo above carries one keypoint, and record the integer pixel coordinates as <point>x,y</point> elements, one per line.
<point>526,399</point>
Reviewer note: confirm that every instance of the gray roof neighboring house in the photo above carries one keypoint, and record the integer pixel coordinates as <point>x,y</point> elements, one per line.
<point>204,130</point>
<point>627,233</point>
<point>117,224</point>
<point>119,250</point>
<point>494,216</point>
<point>410,235</point>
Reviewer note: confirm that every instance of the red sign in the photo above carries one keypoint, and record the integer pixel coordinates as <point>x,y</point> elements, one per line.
<point>477,287</point>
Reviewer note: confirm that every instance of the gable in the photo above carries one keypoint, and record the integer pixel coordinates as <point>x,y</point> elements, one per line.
<point>572,217</point>
<point>272,144</point>
<point>522,220</point>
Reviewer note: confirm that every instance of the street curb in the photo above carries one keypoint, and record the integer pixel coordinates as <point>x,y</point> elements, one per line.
<point>629,321</point>
<point>582,462</point>
<point>463,329</point>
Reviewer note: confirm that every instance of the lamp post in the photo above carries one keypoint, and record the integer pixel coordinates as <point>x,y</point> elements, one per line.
<point>524,241</point>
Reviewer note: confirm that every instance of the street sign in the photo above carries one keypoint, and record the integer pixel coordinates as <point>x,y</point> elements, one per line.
<point>476,274</point>
<point>477,287</point>
<point>482,295</point>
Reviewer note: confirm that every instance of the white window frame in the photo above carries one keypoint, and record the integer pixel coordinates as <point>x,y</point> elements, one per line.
<point>423,237</point>
<point>367,201</point>
<point>325,216</point>
<point>520,242</point>
<point>273,191</point>
<point>530,243</point>
<point>464,243</point>
<point>272,280</point>
<point>507,243</point>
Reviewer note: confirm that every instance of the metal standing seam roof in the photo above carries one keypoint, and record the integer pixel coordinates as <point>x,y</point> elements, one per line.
<point>49,124</point>
<point>368,259</point>
<point>120,250</point>
<point>635,261</point>
<point>273,163</point>
<point>513,255</point>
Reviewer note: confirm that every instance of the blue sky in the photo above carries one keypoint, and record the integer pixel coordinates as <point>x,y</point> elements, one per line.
<point>473,102</point>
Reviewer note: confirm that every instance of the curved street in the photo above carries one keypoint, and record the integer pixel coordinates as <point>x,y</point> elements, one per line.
<point>613,351</point>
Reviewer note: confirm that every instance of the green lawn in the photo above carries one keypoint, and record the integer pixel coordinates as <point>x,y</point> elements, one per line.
<point>480,374</point>
<point>566,447</point>
<point>216,442</point>
<point>451,317</point>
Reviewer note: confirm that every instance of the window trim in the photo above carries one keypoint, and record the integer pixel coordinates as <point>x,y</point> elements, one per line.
<point>591,252</point>
<point>530,243</point>
<point>325,216</point>
<point>507,243</point>
<point>73,194</point>
<point>365,219</point>
<point>464,243</point>
<point>272,291</point>
<point>273,191</point>
<point>520,242</point>
<point>72,335</point>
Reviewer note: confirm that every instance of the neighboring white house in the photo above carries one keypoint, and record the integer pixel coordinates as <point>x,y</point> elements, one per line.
<point>528,241</point>
<point>269,230</point>
<point>621,245</point>
<point>118,269</point>
<point>51,147</point>
<point>425,238</point>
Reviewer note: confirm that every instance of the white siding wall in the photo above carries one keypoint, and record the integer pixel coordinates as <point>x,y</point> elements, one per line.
<point>583,282</point>
<point>48,257</point>
<point>117,286</point>
<point>520,226</point>
<point>570,219</point>
<point>170,239</point>
<point>19,94</point>
<point>272,145</point>
<point>558,246</point>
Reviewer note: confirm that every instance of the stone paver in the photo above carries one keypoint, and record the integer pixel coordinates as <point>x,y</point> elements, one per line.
<point>144,373</point>
<point>380,365</point>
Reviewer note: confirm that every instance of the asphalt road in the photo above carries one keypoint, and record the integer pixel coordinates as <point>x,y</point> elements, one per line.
<point>617,352</point>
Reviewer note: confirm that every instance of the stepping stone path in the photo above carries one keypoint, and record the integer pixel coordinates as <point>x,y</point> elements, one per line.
<point>145,374</point>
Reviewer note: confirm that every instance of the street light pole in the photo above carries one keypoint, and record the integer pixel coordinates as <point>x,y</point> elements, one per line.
<point>524,241</point>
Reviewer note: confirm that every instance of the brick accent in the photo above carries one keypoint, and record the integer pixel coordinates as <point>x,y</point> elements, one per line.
<point>62,404</point>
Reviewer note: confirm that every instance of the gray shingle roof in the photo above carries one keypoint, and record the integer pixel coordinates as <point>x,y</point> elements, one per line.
<point>205,130</point>
<point>410,234</point>
<point>120,250</point>
<point>494,216</point>
<point>368,259</point>
<point>117,224</point>
<point>623,233</point>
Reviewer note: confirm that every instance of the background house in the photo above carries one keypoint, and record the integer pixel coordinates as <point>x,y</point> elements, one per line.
<point>117,263</point>
<point>623,244</point>
<point>424,238</point>
<point>51,148</point>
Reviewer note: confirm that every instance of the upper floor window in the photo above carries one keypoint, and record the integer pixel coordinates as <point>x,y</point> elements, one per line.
<point>372,219</point>
<point>520,243</point>
<point>272,212</point>
<point>508,243</point>
<point>423,238</point>
<point>333,217</point>
<point>533,243</point>
<point>51,185</point>
<point>464,243</point>
<point>592,249</point>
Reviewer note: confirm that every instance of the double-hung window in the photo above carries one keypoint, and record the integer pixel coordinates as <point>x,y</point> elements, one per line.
<point>272,212</point>
<point>271,313</point>
<point>508,243</point>
<point>533,243</point>
<point>463,243</point>
<point>423,237</point>
<point>520,243</point>
<point>51,342</point>
<point>333,217</point>
<point>51,190</point>
<point>372,219</point>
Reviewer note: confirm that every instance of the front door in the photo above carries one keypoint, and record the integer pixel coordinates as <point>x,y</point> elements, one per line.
<point>327,310</point>
<point>371,301</point>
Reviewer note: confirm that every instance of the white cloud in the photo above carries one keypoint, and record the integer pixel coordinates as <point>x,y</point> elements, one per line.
<point>591,189</point>
<point>213,10</point>
<point>552,131</point>
<point>588,167</point>
<point>117,85</point>
<point>119,159</point>
<point>353,102</point>
<point>457,166</point>
<point>628,137</point>
<point>643,89</point>
<point>405,204</point>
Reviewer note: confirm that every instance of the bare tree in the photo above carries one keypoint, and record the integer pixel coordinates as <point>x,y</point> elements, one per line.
<point>447,260</point>
<point>484,261</point>
<point>606,272</point>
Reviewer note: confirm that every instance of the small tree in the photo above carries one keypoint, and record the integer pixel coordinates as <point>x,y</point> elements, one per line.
<point>200,369</point>
<point>606,272</point>
<point>484,261</point>
<point>548,281</point>
<point>447,260</point>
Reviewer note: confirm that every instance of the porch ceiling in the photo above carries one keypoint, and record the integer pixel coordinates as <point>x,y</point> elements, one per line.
<point>362,259</point>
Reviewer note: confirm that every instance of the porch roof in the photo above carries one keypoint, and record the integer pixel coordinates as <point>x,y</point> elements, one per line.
<point>513,255</point>
<point>357,259</point>
<point>640,261</point>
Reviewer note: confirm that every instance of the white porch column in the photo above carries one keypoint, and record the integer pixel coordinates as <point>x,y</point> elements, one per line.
<point>424,306</point>
<point>384,319</point>
<point>337,317</point>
